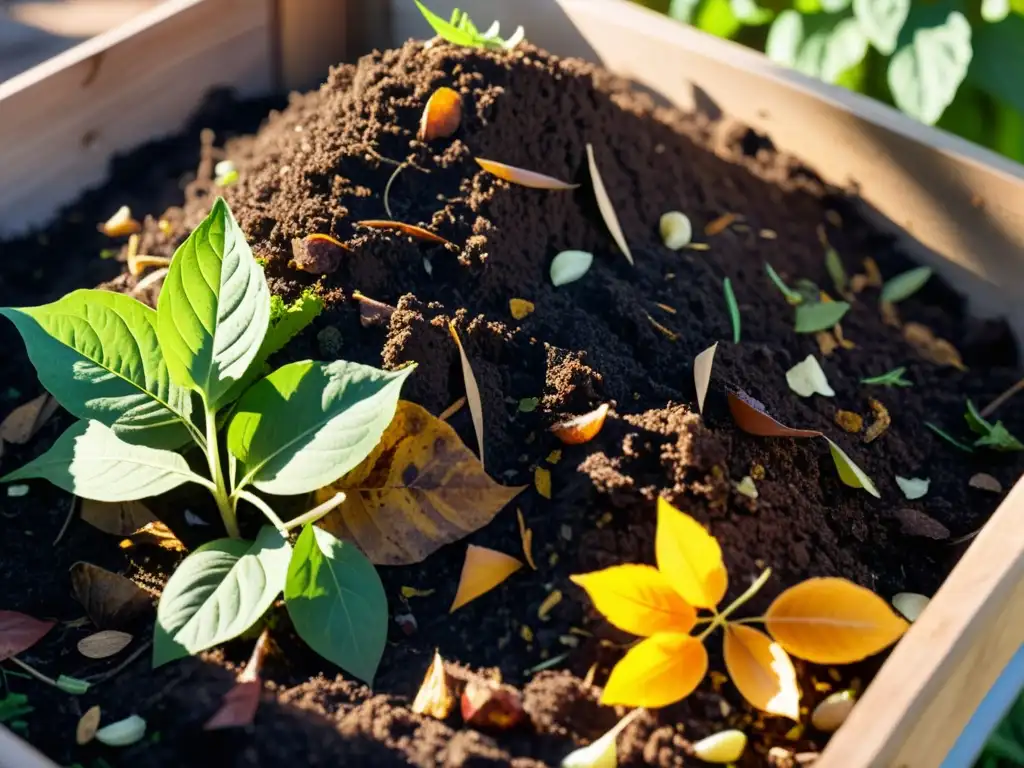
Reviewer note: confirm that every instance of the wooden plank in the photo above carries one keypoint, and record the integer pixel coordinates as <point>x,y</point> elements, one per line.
<point>16,753</point>
<point>61,122</point>
<point>962,205</point>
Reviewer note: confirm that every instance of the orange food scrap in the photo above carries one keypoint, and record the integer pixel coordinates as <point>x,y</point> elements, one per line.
<point>434,697</point>
<point>581,429</point>
<point>482,571</point>
<point>412,230</point>
<point>549,603</point>
<point>520,308</point>
<point>542,481</point>
<point>441,116</point>
<point>881,422</point>
<point>719,225</point>
<point>849,421</point>
<point>526,534</point>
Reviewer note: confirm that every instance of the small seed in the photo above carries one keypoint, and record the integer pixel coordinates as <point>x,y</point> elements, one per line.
<point>833,711</point>
<point>723,747</point>
<point>985,482</point>
<point>676,230</point>
<point>123,733</point>
<point>569,266</point>
<point>910,604</point>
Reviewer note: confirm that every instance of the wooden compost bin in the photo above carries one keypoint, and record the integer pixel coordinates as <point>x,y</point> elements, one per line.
<point>956,207</point>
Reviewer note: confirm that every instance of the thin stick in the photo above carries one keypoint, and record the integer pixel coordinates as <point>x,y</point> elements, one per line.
<point>989,409</point>
<point>33,671</point>
<point>111,672</point>
<point>452,409</point>
<point>387,189</point>
<point>67,520</point>
<point>265,508</point>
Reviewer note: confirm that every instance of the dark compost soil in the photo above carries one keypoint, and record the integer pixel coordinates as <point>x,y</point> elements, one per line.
<point>315,167</point>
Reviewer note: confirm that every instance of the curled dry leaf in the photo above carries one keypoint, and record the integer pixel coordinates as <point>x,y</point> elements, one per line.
<point>104,644</point>
<point>482,571</point>
<point>22,424</point>
<point>910,604</point>
<point>581,429</point>
<point>523,177</point>
<point>520,308</point>
<point>881,423</point>
<point>721,748</point>
<point>434,697</point>
<point>87,726</point>
<point>849,421</point>
<point>476,407</point>
<point>762,671</point>
<point>931,348</point>
<point>985,482</point>
<point>419,489</point>
<point>121,518</point>
<point>526,537</point>
<point>486,704</point>
<point>411,230</point>
<point>914,522</point>
<point>833,711</point>
<point>750,416</point>
<point>807,378</point>
<point>120,224</point>
<point>373,312</point>
<point>441,116</point>
<point>604,203</point>
<point>19,632</point>
<point>702,364</point>
<point>602,752</point>
<point>239,705</point>
<point>317,254</point>
<point>110,601</point>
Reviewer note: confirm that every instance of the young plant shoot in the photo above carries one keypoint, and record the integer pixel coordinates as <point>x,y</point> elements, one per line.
<point>147,384</point>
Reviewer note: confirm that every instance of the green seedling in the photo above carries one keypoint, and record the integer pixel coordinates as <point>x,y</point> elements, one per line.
<point>994,436</point>
<point>148,384</point>
<point>460,30</point>
<point>734,309</point>
<point>893,378</point>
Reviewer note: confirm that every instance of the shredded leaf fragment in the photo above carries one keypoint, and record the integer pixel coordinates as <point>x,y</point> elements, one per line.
<point>913,487</point>
<point>880,424</point>
<point>542,481</point>
<point>807,378</point>
<point>664,331</point>
<point>412,230</point>
<point>718,225</point>
<point>893,378</point>
<point>702,374</point>
<point>734,309</point>
<point>910,604</point>
<point>849,421</point>
<point>604,203</point>
<point>476,408</point>
<point>548,604</point>
<point>931,348</point>
<point>520,308</point>
<point>522,177</point>
<point>526,535</point>
<point>836,270</point>
<point>434,697</point>
<point>985,482</point>
<point>849,472</point>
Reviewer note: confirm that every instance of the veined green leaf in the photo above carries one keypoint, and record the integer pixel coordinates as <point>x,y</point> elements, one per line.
<point>849,472</point>
<point>822,45</point>
<point>218,592</point>
<point>214,308</point>
<point>881,21</point>
<point>91,461</point>
<point>811,318</point>
<point>96,352</point>
<point>905,284</point>
<point>308,423</point>
<point>337,602</point>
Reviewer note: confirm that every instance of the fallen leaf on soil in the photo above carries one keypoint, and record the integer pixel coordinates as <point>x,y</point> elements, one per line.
<point>604,203</point>
<point>110,601</point>
<point>762,671</point>
<point>159,535</point>
<point>719,225</point>
<point>872,273</point>
<point>22,424</point>
<point>910,604</point>
<point>526,535</point>
<point>702,364</point>
<point>836,270</point>
<point>419,489</point>
<point>721,748</point>
<point>690,557</point>
<point>406,229</point>
<point>807,378</point>
<point>19,632</point>
<point>581,429</point>
<point>845,343</point>
<point>542,481</point>
<point>372,312</point>
<point>482,571</point>
<point>486,704</point>
<point>554,457</point>
<point>87,726</point>
<point>880,424</point>
<point>476,408</point>
<point>931,348</point>
<point>914,522</point>
<point>746,487</point>
<point>570,266</point>
<point>602,752</point>
<point>750,416</point>
<point>811,318</point>
<point>913,487</point>
<point>676,229</point>
<point>985,482</point>
<point>238,708</point>
<point>832,621</point>
<point>317,254</point>
<point>409,592</point>
<point>120,518</point>
<point>104,644</point>
<point>123,733</point>
<point>905,285</point>
<point>520,308</point>
<point>658,671</point>
<point>523,177</point>
<point>849,472</point>
<point>638,599</point>
<point>849,421</point>
<point>833,711</point>
<point>120,224</point>
<point>434,697</point>
<point>441,116</point>
<point>890,315</point>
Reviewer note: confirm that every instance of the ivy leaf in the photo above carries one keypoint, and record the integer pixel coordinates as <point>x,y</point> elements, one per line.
<point>96,352</point>
<point>90,461</point>
<point>931,61</point>
<point>214,308</point>
<point>811,318</point>
<point>881,21</point>
<point>308,423</point>
<point>218,592</point>
<point>822,45</point>
<point>337,603</point>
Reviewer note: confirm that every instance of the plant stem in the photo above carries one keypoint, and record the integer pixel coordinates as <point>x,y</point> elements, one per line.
<point>225,503</point>
<point>989,409</point>
<point>721,619</point>
<point>263,507</point>
<point>316,512</point>
<point>33,671</point>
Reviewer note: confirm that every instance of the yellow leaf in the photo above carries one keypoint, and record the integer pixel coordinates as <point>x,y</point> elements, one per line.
<point>434,697</point>
<point>157,534</point>
<point>762,671</point>
<point>602,752</point>
<point>408,592</point>
<point>476,408</point>
<point>637,599</point>
<point>482,571</point>
<point>657,672</point>
<point>526,534</point>
<point>689,557</point>
<point>419,489</point>
<point>832,621</point>
<point>520,308</point>
<point>542,481</point>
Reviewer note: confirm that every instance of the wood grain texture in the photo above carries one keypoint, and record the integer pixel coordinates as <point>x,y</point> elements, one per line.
<point>62,121</point>
<point>15,753</point>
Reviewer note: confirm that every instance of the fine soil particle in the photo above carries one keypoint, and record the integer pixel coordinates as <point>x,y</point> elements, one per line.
<point>321,165</point>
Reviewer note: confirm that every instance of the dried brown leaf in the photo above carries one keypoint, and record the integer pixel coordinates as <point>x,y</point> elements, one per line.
<point>914,522</point>
<point>317,254</point>
<point>104,644</point>
<point>111,601</point>
<point>931,348</point>
<point>523,177</point>
<point>750,416</point>
<point>121,518</point>
<point>441,116</point>
<point>412,230</point>
<point>890,315</point>
<point>826,342</point>
<point>476,407</point>
<point>604,203</point>
<point>985,482</point>
<point>159,535</point>
<point>22,424</point>
<point>880,424</point>
<point>434,697</point>
<point>19,632</point>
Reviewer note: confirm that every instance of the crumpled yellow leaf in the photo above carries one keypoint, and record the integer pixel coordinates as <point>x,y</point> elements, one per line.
<point>762,671</point>
<point>637,599</point>
<point>482,571</point>
<point>689,557</point>
<point>657,672</point>
<point>832,621</point>
<point>434,697</point>
<point>419,489</point>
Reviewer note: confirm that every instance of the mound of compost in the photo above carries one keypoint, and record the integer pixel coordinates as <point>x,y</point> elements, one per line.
<point>322,164</point>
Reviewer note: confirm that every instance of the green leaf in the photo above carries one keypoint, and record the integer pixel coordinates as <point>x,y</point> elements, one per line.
<point>734,309</point>
<point>997,67</point>
<point>836,270</point>
<point>792,296</point>
<point>823,45</point>
<point>976,421</point>
<point>948,437</point>
<point>906,284</point>
<point>881,21</point>
<point>850,473</point>
<point>448,30</point>
<point>994,11</point>
<point>811,318</point>
<point>999,439</point>
<point>716,18</point>
<point>308,423</point>
<point>750,13</point>
<point>893,378</point>
<point>96,352</point>
<point>337,602</point>
<point>218,592</point>
<point>683,10</point>
<point>931,61</point>
<point>214,308</point>
<point>91,461</point>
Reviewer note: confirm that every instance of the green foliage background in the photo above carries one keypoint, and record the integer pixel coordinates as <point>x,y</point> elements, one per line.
<point>958,64</point>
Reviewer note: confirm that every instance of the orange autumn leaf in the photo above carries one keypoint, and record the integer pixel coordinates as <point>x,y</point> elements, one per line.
<point>441,116</point>
<point>689,557</point>
<point>638,599</point>
<point>482,571</point>
<point>762,671</point>
<point>523,177</point>
<point>419,489</point>
<point>581,429</point>
<point>406,229</point>
<point>476,408</point>
<point>832,621</point>
<point>434,697</point>
<point>657,672</point>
